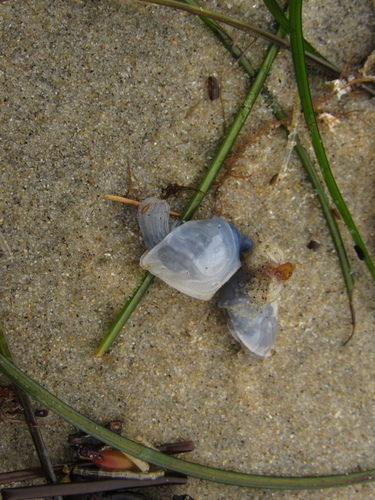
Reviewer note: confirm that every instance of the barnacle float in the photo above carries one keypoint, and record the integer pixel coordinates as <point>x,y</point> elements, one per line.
<point>200,258</point>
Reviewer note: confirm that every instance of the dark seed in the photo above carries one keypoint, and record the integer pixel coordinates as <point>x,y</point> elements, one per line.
<point>360,253</point>
<point>274,179</point>
<point>213,88</point>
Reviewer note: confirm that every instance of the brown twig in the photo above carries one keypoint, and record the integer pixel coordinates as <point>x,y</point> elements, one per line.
<point>174,448</point>
<point>25,474</point>
<point>128,201</point>
<point>86,487</point>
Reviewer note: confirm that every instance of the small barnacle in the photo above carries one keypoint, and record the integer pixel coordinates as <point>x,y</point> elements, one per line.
<point>250,299</point>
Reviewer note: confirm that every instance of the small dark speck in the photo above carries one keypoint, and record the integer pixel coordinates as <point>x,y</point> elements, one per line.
<point>313,245</point>
<point>359,252</point>
<point>41,413</point>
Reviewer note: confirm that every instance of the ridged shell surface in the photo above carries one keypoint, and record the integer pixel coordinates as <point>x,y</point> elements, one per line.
<point>153,220</point>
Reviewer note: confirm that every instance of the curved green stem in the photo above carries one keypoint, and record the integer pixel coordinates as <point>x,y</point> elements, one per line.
<point>165,461</point>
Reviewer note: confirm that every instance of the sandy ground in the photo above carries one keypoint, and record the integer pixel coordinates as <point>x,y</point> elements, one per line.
<point>95,97</point>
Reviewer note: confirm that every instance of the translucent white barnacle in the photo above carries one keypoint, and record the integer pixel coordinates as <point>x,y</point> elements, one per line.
<point>153,220</point>
<point>250,299</point>
<point>196,257</point>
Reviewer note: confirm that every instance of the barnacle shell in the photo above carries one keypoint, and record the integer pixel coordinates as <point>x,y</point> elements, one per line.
<point>252,323</point>
<point>153,220</point>
<point>250,299</point>
<point>197,257</point>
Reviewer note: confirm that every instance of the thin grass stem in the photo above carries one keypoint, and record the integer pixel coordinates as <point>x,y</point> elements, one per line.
<point>135,203</point>
<point>124,315</point>
<point>233,132</point>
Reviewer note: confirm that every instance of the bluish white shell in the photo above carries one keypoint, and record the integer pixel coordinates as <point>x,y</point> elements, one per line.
<point>250,300</point>
<point>252,324</point>
<point>153,220</point>
<point>197,257</point>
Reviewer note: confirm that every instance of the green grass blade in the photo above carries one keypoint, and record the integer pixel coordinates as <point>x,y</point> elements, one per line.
<point>234,131</point>
<point>308,111</point>
<point>88,426</point>
<point>124,315</point>
<point>331,222</point>
<point>278,14</point>
<point>326,209</point>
